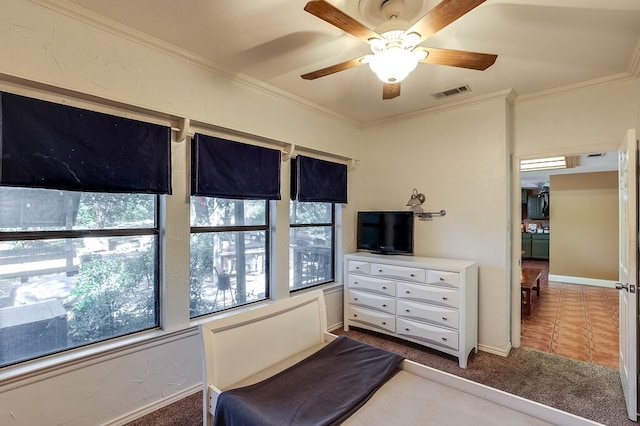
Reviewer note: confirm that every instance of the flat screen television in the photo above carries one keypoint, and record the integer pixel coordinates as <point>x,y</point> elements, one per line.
<point>386,232</point>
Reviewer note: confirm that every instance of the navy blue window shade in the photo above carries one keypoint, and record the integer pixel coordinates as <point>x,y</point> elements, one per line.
<point>227,169</point>
<point>318,180</point>
<point>49,145</point>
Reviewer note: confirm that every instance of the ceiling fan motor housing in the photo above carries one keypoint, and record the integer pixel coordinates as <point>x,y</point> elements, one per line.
<point>392,9</point>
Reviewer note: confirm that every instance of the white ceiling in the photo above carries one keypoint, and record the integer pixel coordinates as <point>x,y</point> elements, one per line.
<point>541,45</point>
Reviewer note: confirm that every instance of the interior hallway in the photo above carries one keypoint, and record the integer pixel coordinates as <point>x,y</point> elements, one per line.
<point>574,321</point>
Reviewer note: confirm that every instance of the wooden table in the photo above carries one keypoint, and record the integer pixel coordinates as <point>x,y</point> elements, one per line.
<point>529,281</point>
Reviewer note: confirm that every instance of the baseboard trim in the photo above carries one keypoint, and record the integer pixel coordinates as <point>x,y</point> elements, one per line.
<point>154,406</point>
<point>495,351</point>
<point>330,328</point>
<point>582,280</point>
<point>483,348</point>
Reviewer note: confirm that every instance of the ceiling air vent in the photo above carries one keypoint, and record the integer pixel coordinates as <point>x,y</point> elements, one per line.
<point>452,92</point>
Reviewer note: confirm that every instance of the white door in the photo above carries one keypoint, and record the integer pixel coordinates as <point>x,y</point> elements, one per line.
<point>628,270</point>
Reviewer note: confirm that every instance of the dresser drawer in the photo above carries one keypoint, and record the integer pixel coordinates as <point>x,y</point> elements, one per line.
<point>427,293</point>
<point>402,272</point>
<point>378,285</point>
<point>443,278</point>
<point>427,333</point>
<point>357,266</point>
<point>373,301</point>
<point>372,318</point>
<point>428,313</point>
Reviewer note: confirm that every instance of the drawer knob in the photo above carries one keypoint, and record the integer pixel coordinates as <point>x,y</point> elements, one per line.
<point>444,318</point>
<point>384,287</point>
<point>356,282</point>
<point>441,279</point>
<point>384,323</point>
<point>406,329</point>
<point>379,270</point>
<point>384,305</point>
<point>444,298</point>
<point>355,298</point>
<point>408,292</point>
<point>407,310</point>
<point>357,267</point>
<point>444,339</point>
<point>413,275</point>
<point>355,315</point>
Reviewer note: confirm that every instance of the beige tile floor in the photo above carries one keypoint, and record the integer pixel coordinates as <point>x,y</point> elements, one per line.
<point>575,321</point>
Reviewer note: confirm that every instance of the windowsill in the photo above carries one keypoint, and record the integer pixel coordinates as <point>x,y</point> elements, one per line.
<point>327,288</point>
<point>41,368</point>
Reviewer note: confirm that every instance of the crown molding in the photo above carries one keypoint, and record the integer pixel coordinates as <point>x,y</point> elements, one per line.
<point>507,94</point>
<point>602,81</point>
<point>98,21</point>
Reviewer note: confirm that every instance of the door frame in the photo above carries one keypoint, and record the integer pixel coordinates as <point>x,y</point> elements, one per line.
<point>516,237</point>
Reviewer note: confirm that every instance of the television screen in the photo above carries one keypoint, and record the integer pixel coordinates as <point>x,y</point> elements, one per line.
<point>387,232</point>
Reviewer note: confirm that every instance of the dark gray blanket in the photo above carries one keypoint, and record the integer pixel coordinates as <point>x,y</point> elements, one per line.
<point>323,389</point>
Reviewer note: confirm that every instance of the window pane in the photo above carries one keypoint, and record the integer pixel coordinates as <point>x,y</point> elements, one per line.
<point>208,211</point>
<point>227,269</point>
<point>28,209</point>
<point>310,213</point>
<point>311,256</point>
<point>64,293</point>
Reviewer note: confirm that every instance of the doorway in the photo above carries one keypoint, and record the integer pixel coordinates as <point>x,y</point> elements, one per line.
<point>570,319</point>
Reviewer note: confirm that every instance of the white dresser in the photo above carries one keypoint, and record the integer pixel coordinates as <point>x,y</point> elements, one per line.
<point>433,302</point>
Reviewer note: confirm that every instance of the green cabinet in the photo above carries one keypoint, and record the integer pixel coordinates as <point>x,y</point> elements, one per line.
<point>526,245</point>
<point>536,208</point>
<point>540,246</point>
<point>535,246</point>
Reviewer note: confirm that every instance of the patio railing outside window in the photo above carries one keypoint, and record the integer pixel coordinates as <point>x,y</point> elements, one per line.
<point>229,264</point>
<point>311,249</point>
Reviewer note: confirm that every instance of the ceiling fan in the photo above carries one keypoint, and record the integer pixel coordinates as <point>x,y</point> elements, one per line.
<point>395,42</point>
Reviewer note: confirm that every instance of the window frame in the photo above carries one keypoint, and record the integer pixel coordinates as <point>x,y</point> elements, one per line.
<point>156,230</point>
<point>212,229</point>
<point>333,226</point>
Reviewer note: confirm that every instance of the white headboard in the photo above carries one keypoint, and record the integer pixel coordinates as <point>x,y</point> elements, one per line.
<point>239,345</point>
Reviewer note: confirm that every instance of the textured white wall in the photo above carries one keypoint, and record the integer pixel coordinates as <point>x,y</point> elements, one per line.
<point>41,45</point>
<point>571,120</point>
<point>100,390</point>
<point>459,159</point>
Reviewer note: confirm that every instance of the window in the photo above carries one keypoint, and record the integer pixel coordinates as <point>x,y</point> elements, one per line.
<point>75,268</point>
<point>229,253</point>
<point>311,244</point>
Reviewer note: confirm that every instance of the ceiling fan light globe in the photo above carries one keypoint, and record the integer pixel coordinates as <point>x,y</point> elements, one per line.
<point>393,65</point>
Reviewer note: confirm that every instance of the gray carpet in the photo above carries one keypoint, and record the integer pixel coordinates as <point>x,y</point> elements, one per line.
<point>584,389</point>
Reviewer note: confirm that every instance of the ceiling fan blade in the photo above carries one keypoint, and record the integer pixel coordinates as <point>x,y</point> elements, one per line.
<point>390,90</point>
<point>329,13</point>
<point>333,69</point>
<point>459,58</point>
<point>442,15</point>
